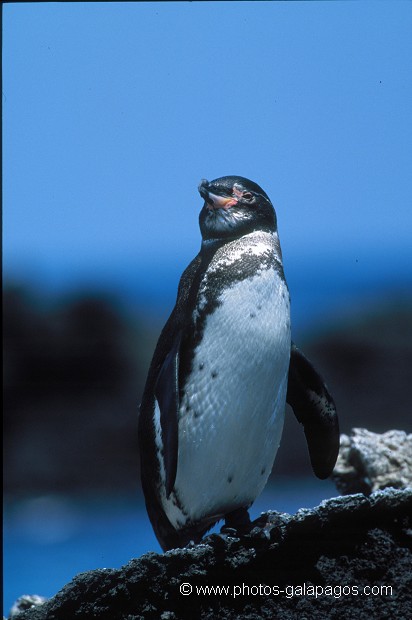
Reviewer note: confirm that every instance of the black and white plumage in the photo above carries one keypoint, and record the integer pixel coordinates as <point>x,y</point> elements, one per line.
<point>213,407</point>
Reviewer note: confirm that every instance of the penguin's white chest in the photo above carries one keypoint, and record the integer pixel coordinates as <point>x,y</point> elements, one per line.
<point>232,411</point>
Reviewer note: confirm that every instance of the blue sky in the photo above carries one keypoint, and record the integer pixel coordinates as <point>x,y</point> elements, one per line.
<point>112,113</point>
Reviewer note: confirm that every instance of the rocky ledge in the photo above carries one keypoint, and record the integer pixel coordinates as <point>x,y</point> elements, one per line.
<point>349,557</point>
<point>371,461</point>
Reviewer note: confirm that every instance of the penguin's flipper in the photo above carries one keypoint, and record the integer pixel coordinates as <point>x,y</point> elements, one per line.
<point>313,407</point>
<point>167,396</point>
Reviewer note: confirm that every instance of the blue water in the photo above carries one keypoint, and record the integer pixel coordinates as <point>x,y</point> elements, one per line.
<point>324,288</point>
<point>50,539</point>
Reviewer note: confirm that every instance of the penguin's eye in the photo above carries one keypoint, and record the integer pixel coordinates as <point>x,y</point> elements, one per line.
<point>248,196</point>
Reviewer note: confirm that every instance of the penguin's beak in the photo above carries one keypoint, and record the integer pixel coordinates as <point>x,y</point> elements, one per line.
<point>213,200</point>
<point>203,190</point>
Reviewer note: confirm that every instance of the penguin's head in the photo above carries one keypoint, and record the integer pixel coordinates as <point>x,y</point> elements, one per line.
<point>234,206</point>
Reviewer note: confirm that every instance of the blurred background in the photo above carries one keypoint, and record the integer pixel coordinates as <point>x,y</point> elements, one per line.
<point>112,113</point>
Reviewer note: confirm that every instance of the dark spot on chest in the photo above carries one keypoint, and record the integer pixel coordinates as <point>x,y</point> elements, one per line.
<point>214,374</point>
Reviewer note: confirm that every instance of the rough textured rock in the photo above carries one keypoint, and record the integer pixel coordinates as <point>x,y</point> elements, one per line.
<point>27,601</point>
<point>370,461</point>
<point>349,557</point>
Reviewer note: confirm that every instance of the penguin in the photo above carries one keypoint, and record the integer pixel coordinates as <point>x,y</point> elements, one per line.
<point>213,407</point>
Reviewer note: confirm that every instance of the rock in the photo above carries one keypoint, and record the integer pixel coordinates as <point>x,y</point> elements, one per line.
<point>370,461</point>
<point>27,601</point>
<point>349,557</point>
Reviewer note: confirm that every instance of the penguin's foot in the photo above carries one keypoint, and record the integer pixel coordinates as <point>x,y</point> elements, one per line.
<point>237,522</point>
